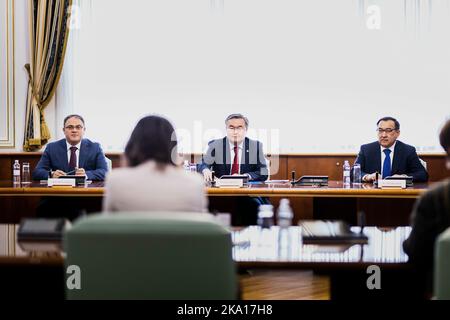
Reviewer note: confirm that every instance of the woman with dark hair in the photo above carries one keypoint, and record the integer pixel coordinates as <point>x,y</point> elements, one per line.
<point>151,179</point>
<point>430,217</point>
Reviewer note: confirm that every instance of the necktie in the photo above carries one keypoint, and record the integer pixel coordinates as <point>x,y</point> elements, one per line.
<point>235,167</point>
<point>387,163</point>
<point>73,158</point>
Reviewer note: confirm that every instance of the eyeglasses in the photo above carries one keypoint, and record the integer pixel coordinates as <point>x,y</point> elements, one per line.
<point>387,130</point>
<point>231,128</point>
<point>78,127</point>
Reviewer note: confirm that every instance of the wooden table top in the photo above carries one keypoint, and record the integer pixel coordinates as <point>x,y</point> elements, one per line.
<point>334,189</point>
<point>253,248</point>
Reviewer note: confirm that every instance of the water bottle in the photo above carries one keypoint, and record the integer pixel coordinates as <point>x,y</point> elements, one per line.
<point>346,176</point>
<point>357,174</point>
<point>186,166</point>
<point>16,173</point>
<point>285,215</point>
<point>265,216</point>
<point>192,167</point>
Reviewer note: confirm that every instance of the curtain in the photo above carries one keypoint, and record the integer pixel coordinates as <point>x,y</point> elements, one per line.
<point>49,31</point>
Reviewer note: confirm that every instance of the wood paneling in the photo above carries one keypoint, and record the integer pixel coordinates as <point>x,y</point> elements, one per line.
<point>7,160</point>
<point>5,168</point>
<point>278,167</point>
<point>13,209</point>
<point>388,213</point>
<point>378,212</point>
<point>332,165</point>
<point>316,165</point>
<point>436,167</point>
<point>319,164</point>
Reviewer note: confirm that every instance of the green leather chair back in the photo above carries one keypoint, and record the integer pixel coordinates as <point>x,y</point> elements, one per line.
<point>163,255</point>
<point>442,266</point>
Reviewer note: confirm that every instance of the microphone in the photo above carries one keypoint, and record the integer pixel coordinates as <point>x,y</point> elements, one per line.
<point>361,221</point>
<point>213,179</point>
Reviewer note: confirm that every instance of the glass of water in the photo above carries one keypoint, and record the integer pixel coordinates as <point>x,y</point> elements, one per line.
<point>26,175</point>
<point>357,174</point>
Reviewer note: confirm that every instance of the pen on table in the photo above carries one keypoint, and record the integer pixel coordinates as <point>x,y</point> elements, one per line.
<point>71,172</point>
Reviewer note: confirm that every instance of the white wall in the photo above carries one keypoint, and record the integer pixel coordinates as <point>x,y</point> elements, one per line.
<point>317,74</point>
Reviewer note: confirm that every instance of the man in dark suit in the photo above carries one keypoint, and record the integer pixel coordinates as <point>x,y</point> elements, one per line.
<point>430,217</point>
<point>388,156</point>
<point>72,155</point>
<point>237,154</point>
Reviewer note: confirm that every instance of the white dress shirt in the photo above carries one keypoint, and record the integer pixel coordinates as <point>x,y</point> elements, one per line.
<point>383,156</point>
<point>76,152</point>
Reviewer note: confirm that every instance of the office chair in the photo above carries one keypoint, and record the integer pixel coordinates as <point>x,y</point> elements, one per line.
<point>163,255</point>
<point>269,163</point>
<point>424,164</point>
<point>108,163</point>
<point>442,266</point>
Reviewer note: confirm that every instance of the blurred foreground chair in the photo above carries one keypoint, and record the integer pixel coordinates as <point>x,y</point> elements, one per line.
<point>163,255</point>
<point>442,267</point>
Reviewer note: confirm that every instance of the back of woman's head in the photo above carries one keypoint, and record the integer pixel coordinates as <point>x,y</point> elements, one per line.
<point>153,138</point>
<point>444,137</point>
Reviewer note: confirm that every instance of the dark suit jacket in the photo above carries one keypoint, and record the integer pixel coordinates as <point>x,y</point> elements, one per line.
<point>430,217</point>
<point>405,161</point>
<point>54,158</point>
<point>218,159</point>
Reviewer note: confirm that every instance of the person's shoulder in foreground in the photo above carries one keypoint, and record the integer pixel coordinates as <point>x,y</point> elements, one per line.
<point>152,180</point>
<point>430,217</point>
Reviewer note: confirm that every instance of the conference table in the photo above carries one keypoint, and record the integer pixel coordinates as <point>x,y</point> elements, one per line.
<point>27,265</point>
<point>276,189</point>
<point>383,207</point>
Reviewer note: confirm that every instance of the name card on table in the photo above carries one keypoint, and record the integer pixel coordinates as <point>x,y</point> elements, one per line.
<point>229,183</point>
<point>232,181</point>
<point>55,182</point>
<point>392,184</point>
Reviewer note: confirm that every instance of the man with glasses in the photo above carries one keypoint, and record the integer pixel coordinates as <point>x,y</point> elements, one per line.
<point>237,154</point>
<point>72,155</point>
<point>389,156</point>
